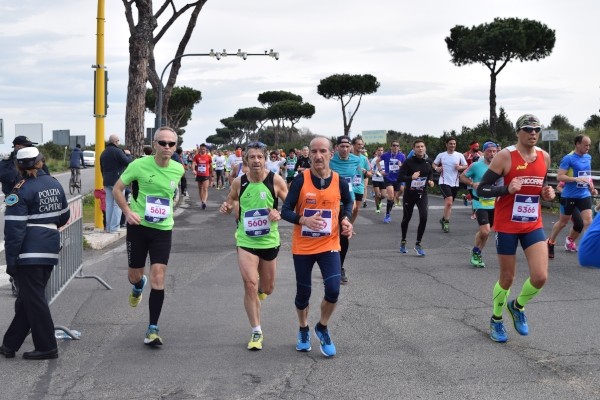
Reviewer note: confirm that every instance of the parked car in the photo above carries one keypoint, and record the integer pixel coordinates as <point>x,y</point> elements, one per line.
<point>89,158</point>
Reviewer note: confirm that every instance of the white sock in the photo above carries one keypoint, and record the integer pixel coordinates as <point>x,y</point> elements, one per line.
<point>257,329</point>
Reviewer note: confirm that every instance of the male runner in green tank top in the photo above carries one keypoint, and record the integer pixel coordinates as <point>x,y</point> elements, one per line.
<point>257,237</point>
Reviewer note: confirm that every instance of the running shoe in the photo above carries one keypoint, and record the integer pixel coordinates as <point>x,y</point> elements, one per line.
<point>497,331</point>
<point>550,250</point>
<point>403,247</point>
<point>152,338</point>
<point>445,225</point>
<point>476,260</point>
<point>519,318</point>
<point>303,343</point>
<point>135,297</point>
<point>262,296</point>
<point>377,210</point>
<point>387,219</point>
<point>204,206</point>
<point>256,341</point>
<point>327,346</point>
<point>344,278</point>
<point>570,245</point>
<point>364,204</point>
<point>419,250</point>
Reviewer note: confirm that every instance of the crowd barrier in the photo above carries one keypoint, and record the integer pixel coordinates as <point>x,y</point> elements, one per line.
<point>70,262</point>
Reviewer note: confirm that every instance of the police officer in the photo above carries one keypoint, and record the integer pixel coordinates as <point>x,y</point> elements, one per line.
<point>9,177</point>
<point>35,209</point>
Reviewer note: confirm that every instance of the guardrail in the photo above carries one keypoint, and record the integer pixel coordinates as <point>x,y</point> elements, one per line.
<point>70,261</point>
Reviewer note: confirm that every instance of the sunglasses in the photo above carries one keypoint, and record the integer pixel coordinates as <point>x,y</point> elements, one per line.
<point>165,143</point>
<point>530,129</point>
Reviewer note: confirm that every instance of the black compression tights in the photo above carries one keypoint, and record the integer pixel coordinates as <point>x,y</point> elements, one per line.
<point>409,203</point>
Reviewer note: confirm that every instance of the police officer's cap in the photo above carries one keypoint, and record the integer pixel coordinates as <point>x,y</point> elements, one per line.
<point>27,157</point>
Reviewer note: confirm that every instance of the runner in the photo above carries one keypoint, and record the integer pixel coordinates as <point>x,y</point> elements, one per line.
<point>219,163</point>
<point>257,235</point>
<point>348,167</point>
<point>377,179</point>
<point>416,173</point>
<point>484,208</point>
<point>575,171</point>
<point>150,222</point>
<point>312,206</point>
<point>202,166</point>
<point>522,169</point>
<point>448,164</point>
<point>290,166</point>
<point>274,163</point>
<point>393,160</point>
<point>303,161</point>
<point>235,161</point>
<point>364,172</point>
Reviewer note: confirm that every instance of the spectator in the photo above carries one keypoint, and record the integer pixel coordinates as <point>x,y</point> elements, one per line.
<point>113,161</point>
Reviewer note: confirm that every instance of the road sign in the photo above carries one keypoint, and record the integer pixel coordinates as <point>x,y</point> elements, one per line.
<point>550,135</point>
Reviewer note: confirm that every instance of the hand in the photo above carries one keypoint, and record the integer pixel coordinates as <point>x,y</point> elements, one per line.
<point>475,185</point>
<point>225,208</point>
<point>132,218</point>
<point>11,270</point>
<point>274,215</point>
<point>347,228</point>
<point>416,174</point>
<point>431,183</point>
<point>515,185</point>
<point>315,222</point>
<point>548,193</point>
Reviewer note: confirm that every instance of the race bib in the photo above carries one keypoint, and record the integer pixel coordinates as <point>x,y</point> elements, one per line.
<point>290,167</point>
<point>588,175</point>
<point>157,209</point>
<point>418,184</point>
<point>394,167</point>
<point>324,231</point>
<point>256,222</point>
<point>202,168</point>
<point>525,208</point>
<point>357,180</point>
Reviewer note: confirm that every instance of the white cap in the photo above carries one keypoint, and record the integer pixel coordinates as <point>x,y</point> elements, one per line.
<point>27,152</point>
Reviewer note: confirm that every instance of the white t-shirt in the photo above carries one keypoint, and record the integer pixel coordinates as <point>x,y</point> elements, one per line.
<point>233,160</point>
<point>219,162</point>
<point>275,166</point>
<point>377,177</point>
<point>448,162</point>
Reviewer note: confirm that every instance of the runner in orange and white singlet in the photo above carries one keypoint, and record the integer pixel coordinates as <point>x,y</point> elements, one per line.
<point>202,167</point>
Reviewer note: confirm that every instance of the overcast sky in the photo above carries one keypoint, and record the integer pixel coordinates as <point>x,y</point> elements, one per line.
<point>47,49</point>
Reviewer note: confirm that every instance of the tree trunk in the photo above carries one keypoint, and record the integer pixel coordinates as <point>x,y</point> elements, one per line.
<point>139,52</point>
<point>493,115</point>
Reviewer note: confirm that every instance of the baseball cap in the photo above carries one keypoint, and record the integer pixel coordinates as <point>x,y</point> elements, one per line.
<point>23,141</point>
<point>528,120</point>
<point>343,139</point>
<point>487,145</point>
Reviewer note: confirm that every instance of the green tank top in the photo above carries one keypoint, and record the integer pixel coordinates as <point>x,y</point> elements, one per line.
<point>254,230</point>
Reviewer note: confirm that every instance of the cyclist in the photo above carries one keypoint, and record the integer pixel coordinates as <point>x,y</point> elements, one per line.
<point>76,163</point>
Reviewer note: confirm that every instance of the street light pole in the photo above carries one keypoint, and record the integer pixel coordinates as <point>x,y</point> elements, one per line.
<point>218,55</point>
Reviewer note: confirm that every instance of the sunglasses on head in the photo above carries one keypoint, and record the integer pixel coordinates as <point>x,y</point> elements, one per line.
<point>530,129</point>
<point>256,145</point>
<point>164,143</point>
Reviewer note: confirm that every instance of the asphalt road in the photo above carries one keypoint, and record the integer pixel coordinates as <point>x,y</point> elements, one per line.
<point>405,327</point>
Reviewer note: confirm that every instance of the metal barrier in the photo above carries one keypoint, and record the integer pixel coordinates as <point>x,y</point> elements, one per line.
<point>70,261</point>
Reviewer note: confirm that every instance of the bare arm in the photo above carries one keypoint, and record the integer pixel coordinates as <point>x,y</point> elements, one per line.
<point>130,217</point>
<point>232,197</point>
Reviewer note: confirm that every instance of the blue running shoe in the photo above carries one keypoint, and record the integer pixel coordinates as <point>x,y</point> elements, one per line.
<point>497,331</point>
<point>387,219</point>
<point>403,247</point>
<point>327,346</point>
<point>419,250</point>
<point>303,343</point>
<point>519,318</point>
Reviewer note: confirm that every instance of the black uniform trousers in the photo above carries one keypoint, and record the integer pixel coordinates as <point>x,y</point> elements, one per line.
<point>31,310</point>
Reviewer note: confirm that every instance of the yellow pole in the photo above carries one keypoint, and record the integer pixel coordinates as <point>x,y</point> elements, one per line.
<point>100,107</point>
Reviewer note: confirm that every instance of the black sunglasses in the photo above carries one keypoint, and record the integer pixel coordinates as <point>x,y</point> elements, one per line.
<point>530,129</point>
<point>165,143</point>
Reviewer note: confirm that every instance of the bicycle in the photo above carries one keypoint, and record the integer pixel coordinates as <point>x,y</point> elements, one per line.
<point>75,181</point>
